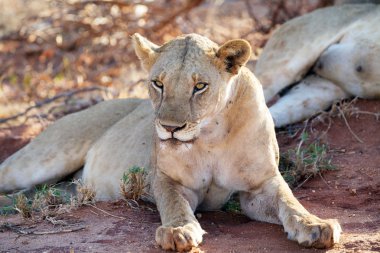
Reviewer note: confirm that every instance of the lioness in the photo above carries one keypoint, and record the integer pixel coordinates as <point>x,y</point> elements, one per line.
<point>210,135</point>
<point>324,56</point>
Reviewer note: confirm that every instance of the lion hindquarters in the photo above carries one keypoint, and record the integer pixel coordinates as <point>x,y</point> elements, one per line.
<point>353,65</point>
<point>310,96</point>
<point>62,147</point>
<point>126,144</point>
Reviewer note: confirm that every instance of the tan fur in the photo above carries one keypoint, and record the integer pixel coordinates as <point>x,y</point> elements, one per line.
<point>342,42</point>
<point>224,142</point>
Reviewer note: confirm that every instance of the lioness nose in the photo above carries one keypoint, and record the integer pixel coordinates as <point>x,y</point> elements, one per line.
<point>173,129</point>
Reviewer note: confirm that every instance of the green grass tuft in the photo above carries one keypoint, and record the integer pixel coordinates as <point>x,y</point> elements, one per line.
<point>307,160</point>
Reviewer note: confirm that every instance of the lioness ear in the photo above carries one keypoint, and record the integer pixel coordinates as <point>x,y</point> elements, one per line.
<point>234,54</point>
<point>145,50</point>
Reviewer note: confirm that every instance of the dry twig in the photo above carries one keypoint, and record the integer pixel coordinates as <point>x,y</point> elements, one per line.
<point>103,211</point>
<point>348,126</point>
<point>49,232</point>
<point>67,95</point>
<point>169,19</point>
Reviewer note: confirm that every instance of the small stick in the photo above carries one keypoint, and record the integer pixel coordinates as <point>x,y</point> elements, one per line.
<point>50,100</point>
<point>348,126</point>
<point>94,212</point>
<point>103,211</point>
<point>323,179</point>
<point>307,179</point>
<point>377,115</point>
<point>23,232</point>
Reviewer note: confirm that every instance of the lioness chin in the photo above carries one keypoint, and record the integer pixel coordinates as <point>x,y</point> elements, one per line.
<point>210,135</point>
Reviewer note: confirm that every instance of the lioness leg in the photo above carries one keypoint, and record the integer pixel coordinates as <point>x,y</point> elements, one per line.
<point>275,203</point>
<point>310,96</point>
<point>180,229</point>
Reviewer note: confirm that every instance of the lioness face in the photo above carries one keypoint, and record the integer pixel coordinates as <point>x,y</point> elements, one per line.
<point>189,81</point>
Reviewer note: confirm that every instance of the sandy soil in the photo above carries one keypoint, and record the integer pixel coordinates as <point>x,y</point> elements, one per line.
<point>351,194</point>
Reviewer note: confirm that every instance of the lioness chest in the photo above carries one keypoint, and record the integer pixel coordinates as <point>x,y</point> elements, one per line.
<point>216,167</point>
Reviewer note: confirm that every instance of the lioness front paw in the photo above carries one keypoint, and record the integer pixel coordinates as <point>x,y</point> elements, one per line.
<point>311,231</point>
<point>179,238</point>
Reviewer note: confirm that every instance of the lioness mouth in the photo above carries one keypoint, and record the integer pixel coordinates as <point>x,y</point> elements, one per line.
<point>173,129</point>
<point>176,141</point>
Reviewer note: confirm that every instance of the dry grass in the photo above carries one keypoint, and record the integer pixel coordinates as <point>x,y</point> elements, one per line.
<point>85,195</point>
<point>48,201</point>
<point>133,184</point>
<point>23,206</point>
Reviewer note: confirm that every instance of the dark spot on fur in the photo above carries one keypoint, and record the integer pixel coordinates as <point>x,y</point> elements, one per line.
<point>359,68</point>
<point>320,65</point>
<point>271,212</point>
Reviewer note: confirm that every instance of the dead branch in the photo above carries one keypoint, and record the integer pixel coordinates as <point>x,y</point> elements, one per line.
<point>67,95</point>
<point>259,26</point>
<point>189,6</point>
<point>20,231</point>
<point>110,2</point>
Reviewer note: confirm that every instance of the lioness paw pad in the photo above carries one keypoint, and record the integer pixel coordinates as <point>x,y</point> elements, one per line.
<point>315,232</point>
<point>179,238</point>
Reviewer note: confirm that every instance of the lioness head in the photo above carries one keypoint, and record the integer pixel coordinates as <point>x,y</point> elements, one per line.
<point>189,80</point>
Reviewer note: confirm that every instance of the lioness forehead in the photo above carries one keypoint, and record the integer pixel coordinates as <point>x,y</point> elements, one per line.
<point>191,54</point>
<point>190,44</point>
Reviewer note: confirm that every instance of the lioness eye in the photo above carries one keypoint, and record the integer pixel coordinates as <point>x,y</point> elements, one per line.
<point>201,86</point>
<point>157,85</point>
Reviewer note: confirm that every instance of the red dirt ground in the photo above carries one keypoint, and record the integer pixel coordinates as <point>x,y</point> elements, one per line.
<point>350,194</point>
